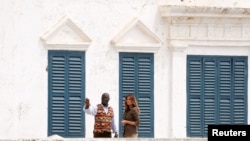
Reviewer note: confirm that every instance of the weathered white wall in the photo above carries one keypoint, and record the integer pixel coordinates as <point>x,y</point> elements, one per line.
<point>23,60</point>
<point>23,75</point>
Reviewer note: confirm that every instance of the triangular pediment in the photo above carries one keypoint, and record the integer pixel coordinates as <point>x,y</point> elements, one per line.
<point>66,35</point>
<point>136,37</point>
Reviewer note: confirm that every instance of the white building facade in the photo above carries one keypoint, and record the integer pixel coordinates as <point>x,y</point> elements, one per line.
<point>186,61</point>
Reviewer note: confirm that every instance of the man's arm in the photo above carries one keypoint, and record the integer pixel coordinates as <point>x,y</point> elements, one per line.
<point>91,110</point>
<point>88,109</point>
<point>114,127</point>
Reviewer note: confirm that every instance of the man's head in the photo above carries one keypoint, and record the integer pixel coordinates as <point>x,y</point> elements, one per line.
<point>105,99</point>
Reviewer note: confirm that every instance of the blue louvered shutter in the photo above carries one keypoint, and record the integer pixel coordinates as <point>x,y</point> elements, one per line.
<point>209,90</point>
<point>224,90</point>
<point>194,90</point>
<point>239,91</point>
<point>145,94</point>
<point>232,90</point>
<point>66,93</point>
<point>216,92</point>
<point>136,76</point>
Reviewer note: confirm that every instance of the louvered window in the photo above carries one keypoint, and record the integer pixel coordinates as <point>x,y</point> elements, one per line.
<point>216,92</point>
<point>66,75</point>
<point>136,76</point>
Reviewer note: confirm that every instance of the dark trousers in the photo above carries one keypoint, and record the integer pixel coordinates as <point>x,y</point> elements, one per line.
<point>102,135</point>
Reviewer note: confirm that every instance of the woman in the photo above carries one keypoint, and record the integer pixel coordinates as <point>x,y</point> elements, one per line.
<point>131,118</point>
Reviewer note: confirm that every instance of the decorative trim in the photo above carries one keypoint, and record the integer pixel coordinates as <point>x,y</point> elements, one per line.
<point>182,44</point>
<point>203,11</point>
<point>152,43</point>
<point>66,35</point>
<point>183,19</point>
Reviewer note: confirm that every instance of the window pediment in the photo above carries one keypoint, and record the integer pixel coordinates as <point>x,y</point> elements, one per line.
<point>136,37</point>
<point>66,35</point>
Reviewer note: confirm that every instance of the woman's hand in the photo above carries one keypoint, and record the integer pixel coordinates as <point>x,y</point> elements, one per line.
<point>124,122</point>
<point>128,122</point>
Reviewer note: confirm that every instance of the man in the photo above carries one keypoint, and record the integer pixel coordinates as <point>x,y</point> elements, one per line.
<point>104,117</point>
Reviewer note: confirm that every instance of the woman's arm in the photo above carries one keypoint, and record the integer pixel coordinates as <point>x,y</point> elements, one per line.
<point>136,118</point>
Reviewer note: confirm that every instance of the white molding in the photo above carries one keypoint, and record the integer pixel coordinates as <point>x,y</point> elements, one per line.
<point>182,44</point>
<point>195,16</point>
<point>53,40</point>
<point>151,45</point>
<point>203,11</point>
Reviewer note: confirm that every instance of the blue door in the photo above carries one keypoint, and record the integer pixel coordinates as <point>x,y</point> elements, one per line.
<point>66,76</point>
<point>136,76</point>
<point>216,92</point>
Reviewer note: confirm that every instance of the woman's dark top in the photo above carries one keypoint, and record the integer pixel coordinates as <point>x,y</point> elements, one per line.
<point>131,115</point>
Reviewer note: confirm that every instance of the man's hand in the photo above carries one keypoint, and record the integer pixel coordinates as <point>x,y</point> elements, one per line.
<point>116,135</point>
<point>87,103</point>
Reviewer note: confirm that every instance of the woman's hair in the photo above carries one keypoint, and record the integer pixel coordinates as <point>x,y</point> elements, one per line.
<point>134,102</point>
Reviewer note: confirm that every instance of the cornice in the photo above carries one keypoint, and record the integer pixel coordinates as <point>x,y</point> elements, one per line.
<point>203,11</point>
